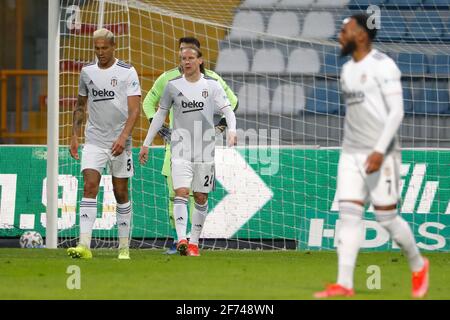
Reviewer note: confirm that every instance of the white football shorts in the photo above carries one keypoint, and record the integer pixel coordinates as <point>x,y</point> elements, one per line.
<point>198,176</point>
<point>97,158</point>
<point>381,188</point>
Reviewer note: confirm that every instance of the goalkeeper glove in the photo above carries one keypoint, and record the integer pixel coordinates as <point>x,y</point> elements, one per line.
<point>221,126</point>
<point>220,129</point>
<point>165,133</point>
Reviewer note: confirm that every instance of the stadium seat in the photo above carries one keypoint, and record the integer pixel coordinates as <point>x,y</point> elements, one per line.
<point>436,4</point>
<point>331,3</point>
<point>446,36</point>
<point>332,63</point>
<point>416,87</point>
<point>363,4</point>
<point>288,99</point>
<point>232,60</point>
<point>247,25</point>
<point>440,66</point>
<point>434,99</point>
<point>284,24</point>
<point>319,25</point>
<point>392,26</point>
<point>412,63</point>
<point>253,98</point>
<point>295,3</point>
<point>402,4</point>
<point>259,3</point>
<point>303,60</point>
<point>407,97</point>
<point>268,61</point>
<point>323,97</point>
<point>425,26</point>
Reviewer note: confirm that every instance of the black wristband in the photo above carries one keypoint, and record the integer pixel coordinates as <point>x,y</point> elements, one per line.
<point>222,122</point>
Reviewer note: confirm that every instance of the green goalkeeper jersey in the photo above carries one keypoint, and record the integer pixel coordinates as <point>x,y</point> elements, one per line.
<point>154,95</point>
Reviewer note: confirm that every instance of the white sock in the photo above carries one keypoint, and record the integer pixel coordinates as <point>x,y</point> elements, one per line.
<point>349,241</point>
<point>198,221</point>
<point>401,233</point>
<point>88,214</point>
<point>181,215</point>
<point>123,214</point>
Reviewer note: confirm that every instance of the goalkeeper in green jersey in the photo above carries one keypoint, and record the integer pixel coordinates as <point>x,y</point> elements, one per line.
<point>150,103</point>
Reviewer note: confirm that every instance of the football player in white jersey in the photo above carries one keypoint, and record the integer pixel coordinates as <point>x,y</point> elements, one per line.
<point>111,92</point>
<point>370,160</point>
<point>195,98</point>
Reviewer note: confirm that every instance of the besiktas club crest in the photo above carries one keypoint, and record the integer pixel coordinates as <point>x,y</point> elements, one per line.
<point>114,81</point>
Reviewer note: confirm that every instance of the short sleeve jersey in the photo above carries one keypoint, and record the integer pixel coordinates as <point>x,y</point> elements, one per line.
<point>107,91</point>
<point>365,84</point>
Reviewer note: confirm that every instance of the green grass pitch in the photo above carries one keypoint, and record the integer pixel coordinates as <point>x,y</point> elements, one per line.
<point>217,275</point>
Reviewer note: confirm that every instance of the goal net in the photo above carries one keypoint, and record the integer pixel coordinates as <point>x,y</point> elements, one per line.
<point>282,60</point>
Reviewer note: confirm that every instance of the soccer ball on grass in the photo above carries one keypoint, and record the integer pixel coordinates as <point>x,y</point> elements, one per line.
<point>31,239</point>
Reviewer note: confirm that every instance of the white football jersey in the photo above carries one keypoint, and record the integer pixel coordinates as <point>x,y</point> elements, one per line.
<point>364,85</point>
<point>107,91</point>
<point>194,105</point>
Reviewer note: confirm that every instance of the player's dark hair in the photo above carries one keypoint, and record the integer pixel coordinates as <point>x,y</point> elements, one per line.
<point>362,20</point>
<point>190,40</point>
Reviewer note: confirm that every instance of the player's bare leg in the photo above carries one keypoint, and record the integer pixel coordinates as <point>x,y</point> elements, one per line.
<point>88,214</point>
<point>181,216</point>
<point>198,221</point>
<point>123,213</point>
<point>401,233</point>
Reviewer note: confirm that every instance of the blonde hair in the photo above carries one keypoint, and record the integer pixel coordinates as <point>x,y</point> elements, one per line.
<point>194,48</point>
<point>104,33</point>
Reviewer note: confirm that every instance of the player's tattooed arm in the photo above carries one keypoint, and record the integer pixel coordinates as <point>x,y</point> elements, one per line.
<point>78,118</point>
<point>78,115</point>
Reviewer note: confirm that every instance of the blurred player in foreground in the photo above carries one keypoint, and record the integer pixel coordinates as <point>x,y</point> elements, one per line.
<point>370,160</point>
<point>110,89</point>
<point>150,105</point>
<point>195,98</point>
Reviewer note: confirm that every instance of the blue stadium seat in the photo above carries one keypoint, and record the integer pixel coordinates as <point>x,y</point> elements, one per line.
<point>425,26</point>
<point>416,88</point>
<point>332,63</point>
<point>446,36</point>
<point>407,97</point>
<point>440,66</point>
<point>434,99</point>
<point>363,4</point>
<point>402,4</point>
<point>392,27</point>
<point>412,63</point>
<point>323,97</point>
<point>436,4</point>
